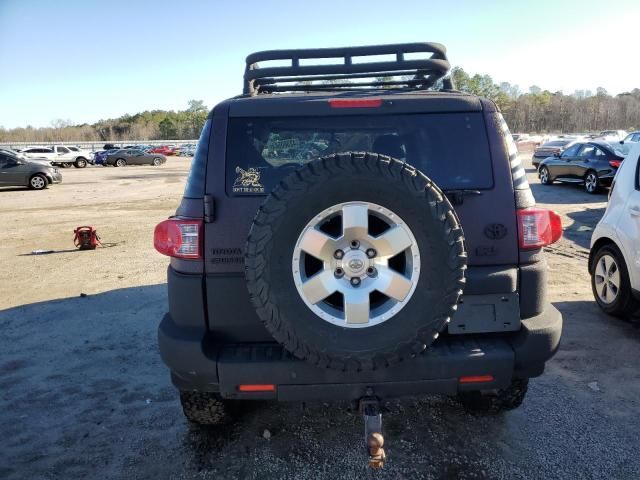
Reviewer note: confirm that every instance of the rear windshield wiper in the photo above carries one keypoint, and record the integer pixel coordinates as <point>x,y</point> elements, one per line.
<point>456,196</point>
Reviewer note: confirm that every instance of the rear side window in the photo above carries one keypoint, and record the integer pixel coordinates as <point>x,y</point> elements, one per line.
<point>195,181</point>
<point>451,148</point>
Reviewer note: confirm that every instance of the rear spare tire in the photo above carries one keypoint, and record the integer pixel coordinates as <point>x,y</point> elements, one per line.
<point>355,261</point>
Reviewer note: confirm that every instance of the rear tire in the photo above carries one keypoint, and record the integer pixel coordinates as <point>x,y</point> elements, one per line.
<point>204,408</point>
<point>591,182</point>
<point>80,163</point>
<point>157,162</point>
<point>495,401</point>
<point>121,162</point>
<point>38,182</point>
<point>545,176</point>
<point>67,165</point>
<point>617,300</point>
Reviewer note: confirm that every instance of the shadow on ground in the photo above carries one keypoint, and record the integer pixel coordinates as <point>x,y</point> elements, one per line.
<point>83,394</point>
<point>584,222</point>
<point>568,194</point>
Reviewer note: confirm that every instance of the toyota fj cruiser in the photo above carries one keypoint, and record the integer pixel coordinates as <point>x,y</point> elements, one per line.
<point>356,231</point>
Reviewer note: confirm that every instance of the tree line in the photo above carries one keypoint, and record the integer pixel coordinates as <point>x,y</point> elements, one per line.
<point>534,111</point>
<point>150,125</point>
<point>543,111</point>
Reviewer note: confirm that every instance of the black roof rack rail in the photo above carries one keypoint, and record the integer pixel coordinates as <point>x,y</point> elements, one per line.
<point>415,73</point>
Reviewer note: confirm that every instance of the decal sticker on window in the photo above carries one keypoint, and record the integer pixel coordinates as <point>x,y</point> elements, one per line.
<point>248,181</point>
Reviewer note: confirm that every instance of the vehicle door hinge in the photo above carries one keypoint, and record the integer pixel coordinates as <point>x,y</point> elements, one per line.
<point>209,209</point>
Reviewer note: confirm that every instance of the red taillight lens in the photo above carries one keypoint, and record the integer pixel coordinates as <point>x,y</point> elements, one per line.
<point>355,102</point>
<point>178,238</point>
<point>615,163</point>
<point>476,379</point>
<point>538,227</point>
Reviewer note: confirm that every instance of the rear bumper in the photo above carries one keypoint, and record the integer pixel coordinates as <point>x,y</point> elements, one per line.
<point>197,364</point>
<point>55,178</point>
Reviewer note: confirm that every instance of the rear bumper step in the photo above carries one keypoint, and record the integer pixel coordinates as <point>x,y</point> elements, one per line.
<point>438,370</point>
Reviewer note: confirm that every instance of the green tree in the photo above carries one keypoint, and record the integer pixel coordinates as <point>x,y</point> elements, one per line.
<point>167,129</point>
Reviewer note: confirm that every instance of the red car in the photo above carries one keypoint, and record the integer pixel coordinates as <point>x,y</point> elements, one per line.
<point>163,149</point>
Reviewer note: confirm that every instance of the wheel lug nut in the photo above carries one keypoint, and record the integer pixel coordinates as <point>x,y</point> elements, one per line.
<point>372,272</point>
<point>338,254</point>
<point>339,273</point>
<point>355,281</point>
<point>355,243</point>
<point>371,252</point>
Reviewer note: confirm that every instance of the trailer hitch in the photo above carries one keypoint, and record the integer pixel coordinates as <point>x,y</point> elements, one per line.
<point>374,441</point>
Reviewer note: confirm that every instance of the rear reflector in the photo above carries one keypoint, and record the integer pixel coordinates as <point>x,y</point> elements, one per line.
<point>355,102</point>
<point>178,238</point>
<point>476,379</point>
<point>615,163</point>
<point>257,388</point>
<point>538,227</point>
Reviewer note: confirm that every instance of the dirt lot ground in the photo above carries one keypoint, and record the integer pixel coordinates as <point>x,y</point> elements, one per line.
<point>83,393</point>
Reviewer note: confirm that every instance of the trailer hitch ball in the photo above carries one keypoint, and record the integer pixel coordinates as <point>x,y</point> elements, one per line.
<point>376,452</point>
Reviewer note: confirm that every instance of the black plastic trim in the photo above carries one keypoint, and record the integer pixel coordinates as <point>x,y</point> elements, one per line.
<point>192,360</point>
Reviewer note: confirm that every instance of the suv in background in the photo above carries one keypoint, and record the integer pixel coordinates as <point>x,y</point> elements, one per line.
<point>612,135</point>
<point>318,252</point>
<point>614,259</point>
<point>59,155</point>
<point>628,142</point>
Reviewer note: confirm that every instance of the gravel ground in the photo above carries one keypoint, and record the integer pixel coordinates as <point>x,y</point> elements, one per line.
<point>83,393</point>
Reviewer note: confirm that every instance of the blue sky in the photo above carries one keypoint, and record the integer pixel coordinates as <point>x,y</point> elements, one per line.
<point>85,60</point>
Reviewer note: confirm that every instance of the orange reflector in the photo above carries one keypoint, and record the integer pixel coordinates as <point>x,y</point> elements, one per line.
<point>476,379</point>
<point>257,388</point>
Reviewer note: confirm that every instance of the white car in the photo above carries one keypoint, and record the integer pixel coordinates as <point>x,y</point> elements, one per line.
<point>625,145</point>
<point>612,135</point>
<point>59,155</point>
<point>614,261</point>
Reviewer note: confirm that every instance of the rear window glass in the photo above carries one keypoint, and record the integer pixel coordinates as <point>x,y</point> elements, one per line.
<point>195,181</point>
<point>451,148</point>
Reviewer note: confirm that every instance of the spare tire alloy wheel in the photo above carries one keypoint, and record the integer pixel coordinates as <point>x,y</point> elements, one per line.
<point>356,265</point>
<point>355,261</point>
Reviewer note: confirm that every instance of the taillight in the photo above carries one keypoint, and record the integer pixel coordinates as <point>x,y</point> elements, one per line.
<point>538,227</point>
<point>178,238</point>
<point>355,102</point>
<point>615,163</point>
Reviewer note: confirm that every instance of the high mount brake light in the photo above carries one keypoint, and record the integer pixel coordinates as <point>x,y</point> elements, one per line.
<point>178,238</point>
<point>538,227</point>
<point>355,102</point>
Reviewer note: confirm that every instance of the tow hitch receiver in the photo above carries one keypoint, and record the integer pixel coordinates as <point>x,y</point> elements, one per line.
<point>374,441</point>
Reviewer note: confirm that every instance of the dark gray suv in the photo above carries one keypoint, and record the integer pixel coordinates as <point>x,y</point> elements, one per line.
<point>21,172</point>
<point>356,231</point>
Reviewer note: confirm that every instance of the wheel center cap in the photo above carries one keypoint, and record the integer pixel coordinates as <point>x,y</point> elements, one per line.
<point>355,263</point>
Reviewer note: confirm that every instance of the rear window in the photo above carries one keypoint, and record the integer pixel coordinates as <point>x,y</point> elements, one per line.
<point>195,182</point>
<point>451,148</point>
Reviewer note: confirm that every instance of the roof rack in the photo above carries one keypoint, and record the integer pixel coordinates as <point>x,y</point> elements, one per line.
<point>351,70</point>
